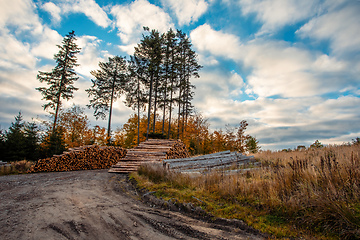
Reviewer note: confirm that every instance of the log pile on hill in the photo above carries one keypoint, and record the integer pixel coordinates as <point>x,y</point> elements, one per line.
<point>152,150</point>
<point>81,158</point>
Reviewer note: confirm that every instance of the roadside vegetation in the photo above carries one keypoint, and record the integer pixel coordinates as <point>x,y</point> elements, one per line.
<point>306,193</point>
<point>17,167</point>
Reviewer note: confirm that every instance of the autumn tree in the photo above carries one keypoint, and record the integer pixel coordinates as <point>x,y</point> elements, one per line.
<point>108,85</point>
<point>61,79</point>
<point>75,127</point>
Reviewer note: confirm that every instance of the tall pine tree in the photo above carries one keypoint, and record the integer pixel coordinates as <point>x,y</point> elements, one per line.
<point>62,77</point>
<point>149,51</point>
<point>136,96</point>
<point>109,83</point>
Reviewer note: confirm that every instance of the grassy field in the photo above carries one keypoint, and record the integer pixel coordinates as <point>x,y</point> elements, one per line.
<point>313,194</point>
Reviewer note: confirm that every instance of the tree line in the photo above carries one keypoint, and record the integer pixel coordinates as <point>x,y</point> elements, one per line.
<point>198,137</point>
<point>156,78</point>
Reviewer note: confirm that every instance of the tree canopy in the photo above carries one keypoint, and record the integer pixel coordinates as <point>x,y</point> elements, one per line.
<point>61,79</point>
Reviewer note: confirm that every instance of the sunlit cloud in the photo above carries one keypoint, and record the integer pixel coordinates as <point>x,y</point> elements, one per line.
<point>187,11</point>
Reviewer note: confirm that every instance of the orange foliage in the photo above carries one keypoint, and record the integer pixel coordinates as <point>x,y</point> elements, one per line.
<point>196,135</point>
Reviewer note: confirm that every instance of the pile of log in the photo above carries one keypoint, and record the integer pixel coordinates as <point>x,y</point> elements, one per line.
<point>150,151</point>
<point>178,150</point>
<point>207,162</point>
<point>81,158</point>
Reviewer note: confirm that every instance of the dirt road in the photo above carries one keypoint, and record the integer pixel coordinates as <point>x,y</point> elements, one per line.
<point>93,205</point>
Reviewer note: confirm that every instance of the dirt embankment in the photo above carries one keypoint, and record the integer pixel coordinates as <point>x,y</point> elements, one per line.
<point>97,205</point>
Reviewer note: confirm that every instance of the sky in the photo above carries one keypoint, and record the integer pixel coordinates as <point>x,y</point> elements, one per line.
<point>290,68</point>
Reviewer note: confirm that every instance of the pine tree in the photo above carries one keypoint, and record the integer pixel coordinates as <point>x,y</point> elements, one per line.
<point>62,77</point>
<point>187,67</point>
<point>109,83</point>
<point>2,145</point>
<point>252,144</point>
<point>15,140</point>
<point>31,141</point>
<point>149,51</point>
<point>169,83</point>
<point>53,143</point>
<point>136,97</point>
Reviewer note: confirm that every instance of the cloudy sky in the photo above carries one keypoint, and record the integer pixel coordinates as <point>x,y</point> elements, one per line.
<point>290,68</point>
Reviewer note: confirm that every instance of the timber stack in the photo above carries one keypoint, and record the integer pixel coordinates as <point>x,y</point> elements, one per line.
<point>220,160</point>
<point>150,151</point>
<point>81,158</point>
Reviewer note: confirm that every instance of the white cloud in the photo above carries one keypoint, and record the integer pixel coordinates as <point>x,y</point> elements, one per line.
<point>129,49</point>
<point>54,10</point>
<point>344,107</point>
<point>19,13</point>
<point>45,45</point>
<point>92,10</point>
<point>276,67</point>
<point>131,18</point>
<point>14,54</point>
<point>340,26</point>
<point>90,55</point>
<point>205,39</point>
<point>187,11</point>
<point>88,7</point>
<point>275,14</point>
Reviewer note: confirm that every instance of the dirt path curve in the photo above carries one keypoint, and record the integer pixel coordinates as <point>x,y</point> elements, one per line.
<point>92,205</point>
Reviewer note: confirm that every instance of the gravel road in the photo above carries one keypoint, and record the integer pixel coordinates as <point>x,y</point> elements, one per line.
<point>93,205</point>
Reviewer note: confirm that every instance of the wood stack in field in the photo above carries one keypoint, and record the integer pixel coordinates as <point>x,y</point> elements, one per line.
<point>152,150</point>
<point>178,150</point>
<point>202,163</point>
<point>81,158</point>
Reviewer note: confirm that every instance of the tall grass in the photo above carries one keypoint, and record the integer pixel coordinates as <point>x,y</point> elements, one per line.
<point>315,189</point>
<point>18,167</point>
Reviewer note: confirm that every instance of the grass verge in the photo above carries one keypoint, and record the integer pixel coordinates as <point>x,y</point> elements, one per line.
<point>315,194</point>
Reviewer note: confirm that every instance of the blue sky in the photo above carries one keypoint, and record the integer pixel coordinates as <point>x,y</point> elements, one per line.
<point>290,68</point>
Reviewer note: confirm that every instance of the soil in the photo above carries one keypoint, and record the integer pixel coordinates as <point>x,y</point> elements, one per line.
<point>98,205</point>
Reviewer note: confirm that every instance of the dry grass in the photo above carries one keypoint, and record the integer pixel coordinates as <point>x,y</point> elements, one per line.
<point>316,190</point>
<point>18,167</point>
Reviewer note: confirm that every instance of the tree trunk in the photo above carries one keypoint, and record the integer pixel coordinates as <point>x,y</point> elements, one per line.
<point>138,102</point>
<point>155,102</point>
<point>111,104</point>
<point>179,112</point>
<point>149,110</point>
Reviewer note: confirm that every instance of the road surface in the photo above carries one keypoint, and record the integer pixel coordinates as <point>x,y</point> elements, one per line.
<point>94,205</point>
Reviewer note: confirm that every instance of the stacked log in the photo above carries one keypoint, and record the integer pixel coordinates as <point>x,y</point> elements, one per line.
<point>150,151</point>
<point>202,163</point>
<point>178,150</point>
<point>81,158</point>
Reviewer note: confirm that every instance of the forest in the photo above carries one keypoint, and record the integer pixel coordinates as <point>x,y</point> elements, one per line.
<point>155,82</point>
